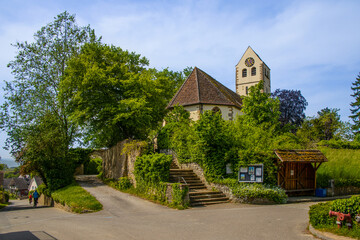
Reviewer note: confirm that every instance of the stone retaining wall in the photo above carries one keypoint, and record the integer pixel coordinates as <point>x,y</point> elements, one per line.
<point>116,164</point>
<point>340,191</point>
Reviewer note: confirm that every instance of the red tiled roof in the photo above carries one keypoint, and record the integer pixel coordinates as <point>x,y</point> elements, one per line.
<point>201,88</point>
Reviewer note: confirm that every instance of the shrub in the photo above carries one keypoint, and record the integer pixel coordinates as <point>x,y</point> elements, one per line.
<point>93,166</point>
<point>124,183</point>
<point>250,192</point>
<point>351,205</point>
<point>4,196</point>
<point>319,215</point>
<point>178,196</point>
<point>152,168</point>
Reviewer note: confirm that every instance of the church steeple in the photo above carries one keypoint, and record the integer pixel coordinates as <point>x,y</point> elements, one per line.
<point>250,70</point>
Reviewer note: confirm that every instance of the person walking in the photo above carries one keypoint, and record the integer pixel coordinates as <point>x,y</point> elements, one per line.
<point>30,198</point>
<point>35,196</point>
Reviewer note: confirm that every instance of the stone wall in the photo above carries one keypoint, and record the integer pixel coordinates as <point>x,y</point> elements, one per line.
<point>340,191</point>
<point>116,164</point>
<point>46,201</point>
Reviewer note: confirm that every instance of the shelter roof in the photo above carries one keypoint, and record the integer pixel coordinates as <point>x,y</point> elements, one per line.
<point>201,88</point>
<point>300,156</point>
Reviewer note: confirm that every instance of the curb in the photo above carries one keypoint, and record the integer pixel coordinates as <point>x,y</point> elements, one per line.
<point>321,235</point>
<point>316,199</point>
<point>318,233</point>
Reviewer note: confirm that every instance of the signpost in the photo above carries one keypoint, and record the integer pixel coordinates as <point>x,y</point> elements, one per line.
<point>252,173</point>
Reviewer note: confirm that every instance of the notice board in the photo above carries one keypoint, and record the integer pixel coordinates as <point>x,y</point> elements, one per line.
<point>252,173</point>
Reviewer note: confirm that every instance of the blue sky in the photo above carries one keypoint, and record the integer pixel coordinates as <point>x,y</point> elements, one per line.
<point>312,46</point>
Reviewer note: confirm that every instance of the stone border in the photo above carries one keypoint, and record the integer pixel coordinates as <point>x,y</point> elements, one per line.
<point>326,235</point>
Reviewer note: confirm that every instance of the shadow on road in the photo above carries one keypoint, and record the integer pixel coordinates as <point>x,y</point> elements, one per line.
<point>20,207</point>
<point>39,235</point>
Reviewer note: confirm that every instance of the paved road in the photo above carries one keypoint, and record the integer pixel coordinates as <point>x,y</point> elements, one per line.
<point>128,217</point>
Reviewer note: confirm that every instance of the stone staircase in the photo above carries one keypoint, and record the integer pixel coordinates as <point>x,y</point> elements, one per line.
<point>198,193</point>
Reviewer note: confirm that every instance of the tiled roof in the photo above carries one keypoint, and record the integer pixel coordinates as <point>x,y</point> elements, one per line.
<point>300,155</point>
<point>19,183</point>
<point>201,88</point>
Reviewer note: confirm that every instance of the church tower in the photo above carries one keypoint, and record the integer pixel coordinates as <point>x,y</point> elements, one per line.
<point>250,70</point>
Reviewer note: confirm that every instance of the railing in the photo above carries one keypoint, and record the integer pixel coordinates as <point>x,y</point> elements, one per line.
<point>182,179</point>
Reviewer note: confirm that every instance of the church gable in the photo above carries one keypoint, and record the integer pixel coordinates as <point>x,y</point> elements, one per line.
<point>201,88</point>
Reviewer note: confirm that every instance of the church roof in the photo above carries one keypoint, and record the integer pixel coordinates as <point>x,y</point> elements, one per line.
<point>201,88</point>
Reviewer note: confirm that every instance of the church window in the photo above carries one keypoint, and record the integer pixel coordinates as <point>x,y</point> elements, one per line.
<point>244,72</point>
<point>216,110</point>
<point>253,71</point>
<point>247,90</point>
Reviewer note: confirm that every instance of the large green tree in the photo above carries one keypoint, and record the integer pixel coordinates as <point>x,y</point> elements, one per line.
<point>112,96</point>
<point>260,109</point>
<point>32,98</point>
<point>355,110</point>
<point>38,69</point>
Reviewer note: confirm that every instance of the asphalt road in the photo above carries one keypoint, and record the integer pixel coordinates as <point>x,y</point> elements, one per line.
<point>128,217</point>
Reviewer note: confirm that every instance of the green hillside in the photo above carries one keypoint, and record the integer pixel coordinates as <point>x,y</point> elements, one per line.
<point>343,166</point>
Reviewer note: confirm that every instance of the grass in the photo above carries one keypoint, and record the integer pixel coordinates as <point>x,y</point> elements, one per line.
<point>2,205</point>
<point>79,200</point>
<point>344,231</point>
<point>344,164</point>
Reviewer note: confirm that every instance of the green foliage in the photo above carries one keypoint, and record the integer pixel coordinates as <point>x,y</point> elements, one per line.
<point>351,205</point>
<point>319,215</point>
<point>79,200</point>
<point>339,144</point>
<point>124,183</point>
<point>343,167</point>
<point>322,127</point>
<point>320,219</point>
<point>178,196</point>
<point>260,109</point>
<point>38,69</point>
<point>12,172</point>
<point>355,106</point>
<point>251,192</point>
<point>112,95</point>
<point>152,168</point>
<point>93,166</point>
<point>4,196</point>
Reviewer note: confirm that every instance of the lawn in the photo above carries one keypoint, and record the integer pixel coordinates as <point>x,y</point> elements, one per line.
<point>343,166</point>
<point>78,199</point>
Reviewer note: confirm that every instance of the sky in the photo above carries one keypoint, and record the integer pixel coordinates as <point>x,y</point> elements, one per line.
<point>311,46</point>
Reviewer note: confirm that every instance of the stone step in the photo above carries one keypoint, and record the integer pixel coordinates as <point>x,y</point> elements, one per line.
<point>198,204</point>
<point>203,193</point>
<point>203,200</point>
<point>181,170</point>
<point>203,196</point>
<point>196,187</point>
<point>186,180</point>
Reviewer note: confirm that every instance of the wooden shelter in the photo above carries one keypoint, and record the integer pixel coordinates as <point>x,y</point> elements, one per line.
<point>297,170</point>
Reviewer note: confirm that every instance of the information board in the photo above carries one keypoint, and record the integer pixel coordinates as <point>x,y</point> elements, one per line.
<point>252,173</point>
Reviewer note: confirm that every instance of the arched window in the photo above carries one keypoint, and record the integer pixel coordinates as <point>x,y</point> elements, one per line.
<point>244,72</point>
<point>216,110</point>
<point>247,90</point>
<point>253,71</point>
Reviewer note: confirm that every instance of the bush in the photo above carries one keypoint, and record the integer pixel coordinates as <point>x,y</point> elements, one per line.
<point>93,166</point>
<point>4,196</point>
<point>152,168</point>
<point>351,205</point>
<point>124,183</point>
<point>319,214</point>
<point>250,192</point>
<point>178,196</point>
<point>339,144</point>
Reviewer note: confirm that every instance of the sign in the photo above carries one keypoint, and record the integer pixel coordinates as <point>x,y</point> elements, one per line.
<point>252,173</point>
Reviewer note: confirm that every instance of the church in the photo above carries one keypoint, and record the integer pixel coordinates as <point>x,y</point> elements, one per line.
<point>201,92</point>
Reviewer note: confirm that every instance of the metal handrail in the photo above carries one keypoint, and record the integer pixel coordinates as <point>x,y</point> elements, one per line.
<point>182,179</point>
